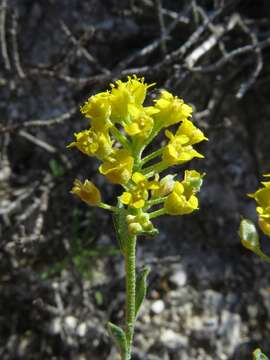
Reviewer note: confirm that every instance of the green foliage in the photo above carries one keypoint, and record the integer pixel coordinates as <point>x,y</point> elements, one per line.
<point>56,168</point>
<point>250,239</point>
<point>141,288</point>
<point>248,235</point>
<point>258,355</point>
<point>119,337</point>
<point>98,297</point>
<point>121,227</point>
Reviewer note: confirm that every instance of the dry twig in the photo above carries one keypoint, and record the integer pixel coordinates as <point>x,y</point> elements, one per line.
<point>92,60</point>
<point>39,123</point>
<point>3,35</point>
<point>15,48</point>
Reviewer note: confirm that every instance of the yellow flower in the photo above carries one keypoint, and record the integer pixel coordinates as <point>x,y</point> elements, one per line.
<point>265,225</point>
<point>136,88</point>
<point>172,110</point>
<point>93,143</point>
<point>179,150</point>
<point>179,202</point>
<point>137,196</point>
<point>262,197</point>
<point>98,109</point>
<point>123,94</point>
<point>140,123</point>
<point>193,134</point>
<point>87,192</point>
<point>192,182</point>
<point>266,183</point>
<point>118,168</point>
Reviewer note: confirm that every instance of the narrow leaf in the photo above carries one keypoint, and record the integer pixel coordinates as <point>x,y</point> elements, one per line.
<point>119,338</point>
<point>153,232</point>
<point>141,288</point>
<point>258,355</point>
<point>248,235</point>
<point>121,227</point>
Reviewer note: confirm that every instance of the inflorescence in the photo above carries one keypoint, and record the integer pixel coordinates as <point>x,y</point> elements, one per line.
<point>120,129</point>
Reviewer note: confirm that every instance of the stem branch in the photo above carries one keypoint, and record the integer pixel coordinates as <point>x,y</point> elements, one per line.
<point>107,207</point>
<point>151,156</point>
<point>157,213</point>
<point>120,137</point>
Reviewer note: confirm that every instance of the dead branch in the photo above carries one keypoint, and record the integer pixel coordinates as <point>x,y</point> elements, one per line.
<point>92,60</point>
<point>15,48</point>
<point>148,49</point>
<point>3,37</point>
<point>40,123</point>
<point>259,60</point>
<point>41,143</point>
<point>162,26</point>
<point>230,56</point>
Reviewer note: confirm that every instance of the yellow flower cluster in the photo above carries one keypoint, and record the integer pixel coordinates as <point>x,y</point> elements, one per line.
<point>139,191</point>
<point>120,128</point>
<point>182,200</point>
<point>262,197</point>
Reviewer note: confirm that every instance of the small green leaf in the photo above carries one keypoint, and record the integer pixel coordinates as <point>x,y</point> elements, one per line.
<point>197,181</point>
<point>258,355</point>
<point>153,232</point>
<point>248,235</point>
<point>98,297</point>
<point>119,338</point>
<point>121,227</point>
<point>56,168</point>
<point>141,288</point>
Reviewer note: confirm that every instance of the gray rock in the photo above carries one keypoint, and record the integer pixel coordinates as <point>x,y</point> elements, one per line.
<point>230,332</point>
<point>172,340</point>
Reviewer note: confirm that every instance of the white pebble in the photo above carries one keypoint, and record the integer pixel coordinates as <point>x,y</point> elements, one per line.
<point>71,322</point>
<point>158,306</point>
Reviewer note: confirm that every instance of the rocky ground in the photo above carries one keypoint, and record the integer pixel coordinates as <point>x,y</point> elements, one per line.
<point>61,275</point>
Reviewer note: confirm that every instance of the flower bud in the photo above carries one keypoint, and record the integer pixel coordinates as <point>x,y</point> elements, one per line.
<point>135,228</point>
<point>87,192</point>
<point>166,185</point>
<point>130,219</point>
<point>143,218</point>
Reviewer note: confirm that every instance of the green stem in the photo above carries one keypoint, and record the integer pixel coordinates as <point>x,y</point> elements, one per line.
<point>107,207</point>
<point>263,256</point>
<point>151,156</point>
<point>137,154</point>
<point>156,201</point>
<point>154,169</point>
<point>130,267</point>
<point>120,137</point>
<point>157,213</point>
<point>154,133</point>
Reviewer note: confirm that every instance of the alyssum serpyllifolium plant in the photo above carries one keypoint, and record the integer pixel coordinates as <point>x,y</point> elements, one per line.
<point>250,237</point>
<point>118,133</point>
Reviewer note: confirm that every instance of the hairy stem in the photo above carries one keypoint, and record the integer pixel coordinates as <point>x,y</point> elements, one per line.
<point>130,267</point>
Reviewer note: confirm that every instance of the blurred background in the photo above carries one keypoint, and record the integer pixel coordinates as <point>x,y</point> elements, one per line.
<point>61,274</point>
